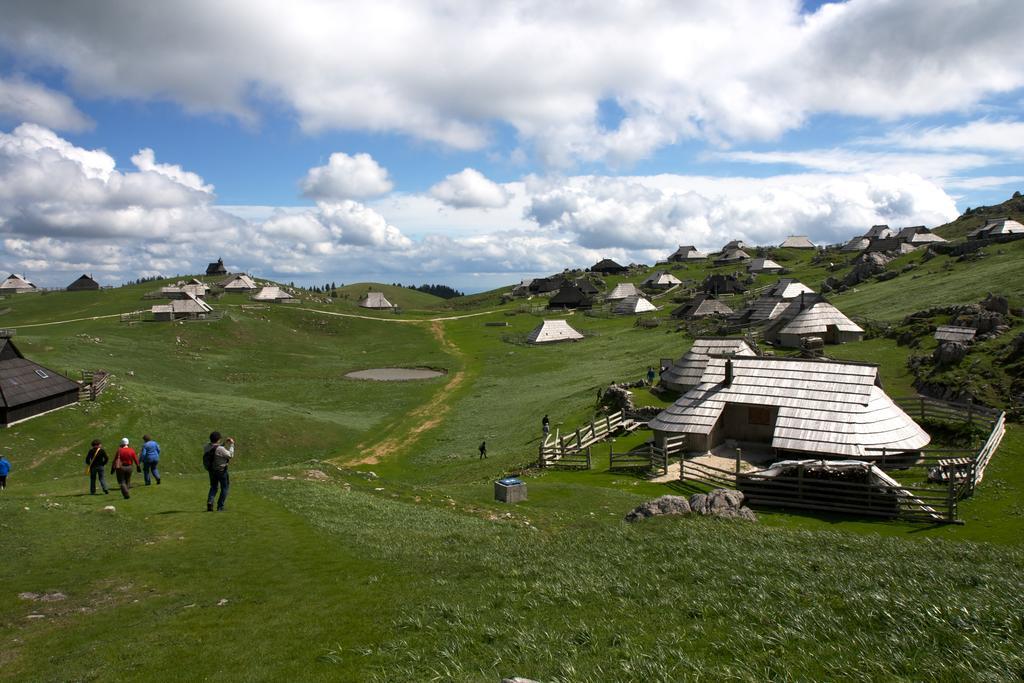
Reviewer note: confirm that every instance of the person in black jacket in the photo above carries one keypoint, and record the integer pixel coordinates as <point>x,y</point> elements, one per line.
<point>95,461</point>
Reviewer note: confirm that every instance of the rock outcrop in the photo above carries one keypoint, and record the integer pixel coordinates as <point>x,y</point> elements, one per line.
<point>865,267</point>
<point>724,503</point>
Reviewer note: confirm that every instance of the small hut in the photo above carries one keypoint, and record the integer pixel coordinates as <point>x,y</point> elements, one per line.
<point>661,280</point>
<point>188,307</point>
<point>773,302</point>
<point>623,290</point>
<point>918,235</point>
<point>239,283</point>
<point>888,244</point>
<point>16,284</point>
<point>546,285</point>
<point>856,244</point>
<point>764,265</point>
<point>788,288</point>
<point>996,227</point>
<point>375,300</point>
<point>274,294</point>
<point>633,305</point>
<point>797,242</point>
<point>878,232</point>
<point>83,284</point>
<point>586,286</point>
<point>550,331</point>
<point>953,333</point>
<point>685,254</point>
<point>824,408</point>
<point>735,245</point>
<point>730,256</point>
<point>570,296</point>
<point>28,389</point>
<point>608,267</point>
<point>722,284</point>
<point>685,373</point>
<point>701,306</point>
<point>812,316</point>
<point>217,268</point>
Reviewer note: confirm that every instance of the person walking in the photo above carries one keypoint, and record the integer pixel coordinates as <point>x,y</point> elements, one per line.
<point>545,425</point>
<point>5,469</point>
<point>124,461</point>
<point>216,459</point>
<point>150,457</point>
<point>650,375</point>
<point>95,463</point>
<point>483,450</point>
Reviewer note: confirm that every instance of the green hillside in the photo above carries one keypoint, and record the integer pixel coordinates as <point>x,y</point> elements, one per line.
<point>362,541</point>
<point>973,219</point>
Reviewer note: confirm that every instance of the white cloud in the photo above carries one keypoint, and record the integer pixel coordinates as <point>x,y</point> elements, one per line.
<point>982,134</point>
<point>455,73</point>
<point>470,189</point>
<point>24,101</point>
<point>145,160</point>
<point>346,177</point>
<point>847,160</point>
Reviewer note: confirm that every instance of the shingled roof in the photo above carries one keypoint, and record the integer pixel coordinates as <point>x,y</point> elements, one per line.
<point>661,279</point>
<point>375,300</point>
<point>17,284</point>
<point>701,306</point>
<point>239,283</point>
<point>953,333</point>
<point>83,284</point>
<point>763,265</point>
<point>821,407</point>
<point>27,388</point>
<point>622,290</point>
<point>553,331</point>
<point>812,316</point>
<point>608,266</point>
<point>632,305</point>
<point>687,253</point>
<point>686,372</point>
<point>797,242</point>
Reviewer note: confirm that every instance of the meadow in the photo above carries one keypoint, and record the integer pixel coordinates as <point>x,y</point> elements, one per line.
<point>362,542</point>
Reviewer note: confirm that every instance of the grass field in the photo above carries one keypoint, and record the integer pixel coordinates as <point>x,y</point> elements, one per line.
<point>362,542</point>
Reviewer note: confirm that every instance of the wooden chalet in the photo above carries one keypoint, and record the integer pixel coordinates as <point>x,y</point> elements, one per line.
<point>586,286</point>
<point>239,283</point>
<point>773,302</point>
<point>551,331</point>
<point>633,305</point>
<point>217,268</point>
<point>797,242</point>
<point>623,290</point>
<point>570,296</point>
<point>375,300</point>
<point>821,408</point>
<point>189,307</point>
<point>28,389</point>
<point>735,245</point>
<point>764,265</point>
<point>996,227</point>
<point>918,236</point>
<point>701,306</point>
<point>686,372</point>
<point>275,295</point>
<point>809,315</point>
<point>546,285</point>
<point>608,267</point>
<point>730,256</point>
<point>83,284</point>
<point>661,280</point>
<point>16,284</point>
<point>685,254</point>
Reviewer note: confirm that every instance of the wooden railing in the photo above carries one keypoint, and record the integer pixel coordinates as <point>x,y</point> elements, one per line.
<point>647,456</point>
<point>94,383</point>
<point>924,407</point>
<point>565,450</point>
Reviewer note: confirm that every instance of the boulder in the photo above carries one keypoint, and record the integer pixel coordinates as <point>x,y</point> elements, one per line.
<point>950,353</point>
<point>666,505</point>
<point>722,503</point>
<point>996,304</point>
<point>866,266</point>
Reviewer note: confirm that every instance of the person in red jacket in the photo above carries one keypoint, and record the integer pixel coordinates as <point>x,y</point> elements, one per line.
<point>124,461</point>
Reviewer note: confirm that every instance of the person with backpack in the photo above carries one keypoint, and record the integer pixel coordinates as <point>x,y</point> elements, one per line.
<point>95,463</point>
<point>124,461</point>
<point>216,459</point>
<point>5,469</point>
<point>150,457</point>
<point>545,425</point>
<point>483,450</point>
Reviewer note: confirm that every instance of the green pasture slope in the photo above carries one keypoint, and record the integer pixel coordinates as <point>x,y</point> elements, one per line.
<point>320,570</point>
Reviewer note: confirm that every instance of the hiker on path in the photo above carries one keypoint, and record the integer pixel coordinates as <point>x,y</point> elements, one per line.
<point>545,425</point>
<point>5,469</point>
<point>216,459</point>
<point>95,463</point>
<point>124,461</point>
<point>483,450</point>
<point>650,375</point>
<point>150,457</point>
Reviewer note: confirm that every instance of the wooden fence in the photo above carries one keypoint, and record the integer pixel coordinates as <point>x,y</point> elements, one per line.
<point>648,456</point>
<point>924,407</point>
<point>94,383</point>
<point>572,449</point>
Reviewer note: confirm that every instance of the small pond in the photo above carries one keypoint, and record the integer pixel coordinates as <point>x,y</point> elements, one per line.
<point>396,374</point>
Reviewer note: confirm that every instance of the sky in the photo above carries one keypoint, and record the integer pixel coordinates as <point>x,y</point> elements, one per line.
<point>475,144</point>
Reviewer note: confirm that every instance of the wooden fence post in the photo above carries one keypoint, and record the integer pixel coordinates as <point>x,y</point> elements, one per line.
<point>682,466</point>
<point>611,452</point>
<point>739,457</point>
<point>922,409</point>
<point>951,495</point>
<point>800,482</point>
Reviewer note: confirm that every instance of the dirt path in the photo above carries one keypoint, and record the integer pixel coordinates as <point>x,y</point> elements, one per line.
<point>63,322</point>
<point>395,320</point>
<point>427,416</point>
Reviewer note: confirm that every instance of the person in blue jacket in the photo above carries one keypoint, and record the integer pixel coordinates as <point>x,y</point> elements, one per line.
<point>150,457</point>
<point>5,469</point>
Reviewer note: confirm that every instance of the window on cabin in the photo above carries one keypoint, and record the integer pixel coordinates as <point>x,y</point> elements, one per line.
<point>759,416</point>
<point>42,374</point>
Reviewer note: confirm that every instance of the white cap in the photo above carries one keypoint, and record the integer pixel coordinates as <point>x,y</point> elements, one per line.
<point>124,441</point>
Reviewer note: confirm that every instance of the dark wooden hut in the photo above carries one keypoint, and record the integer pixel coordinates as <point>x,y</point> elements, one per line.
<point>570,296</point>
<point>608,267</point>
<point>217,268</point>
<point>723,284</point>
<point>28,389</point>
<point>83,284</point>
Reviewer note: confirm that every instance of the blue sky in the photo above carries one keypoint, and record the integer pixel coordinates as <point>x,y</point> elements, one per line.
<point>480,144</point>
